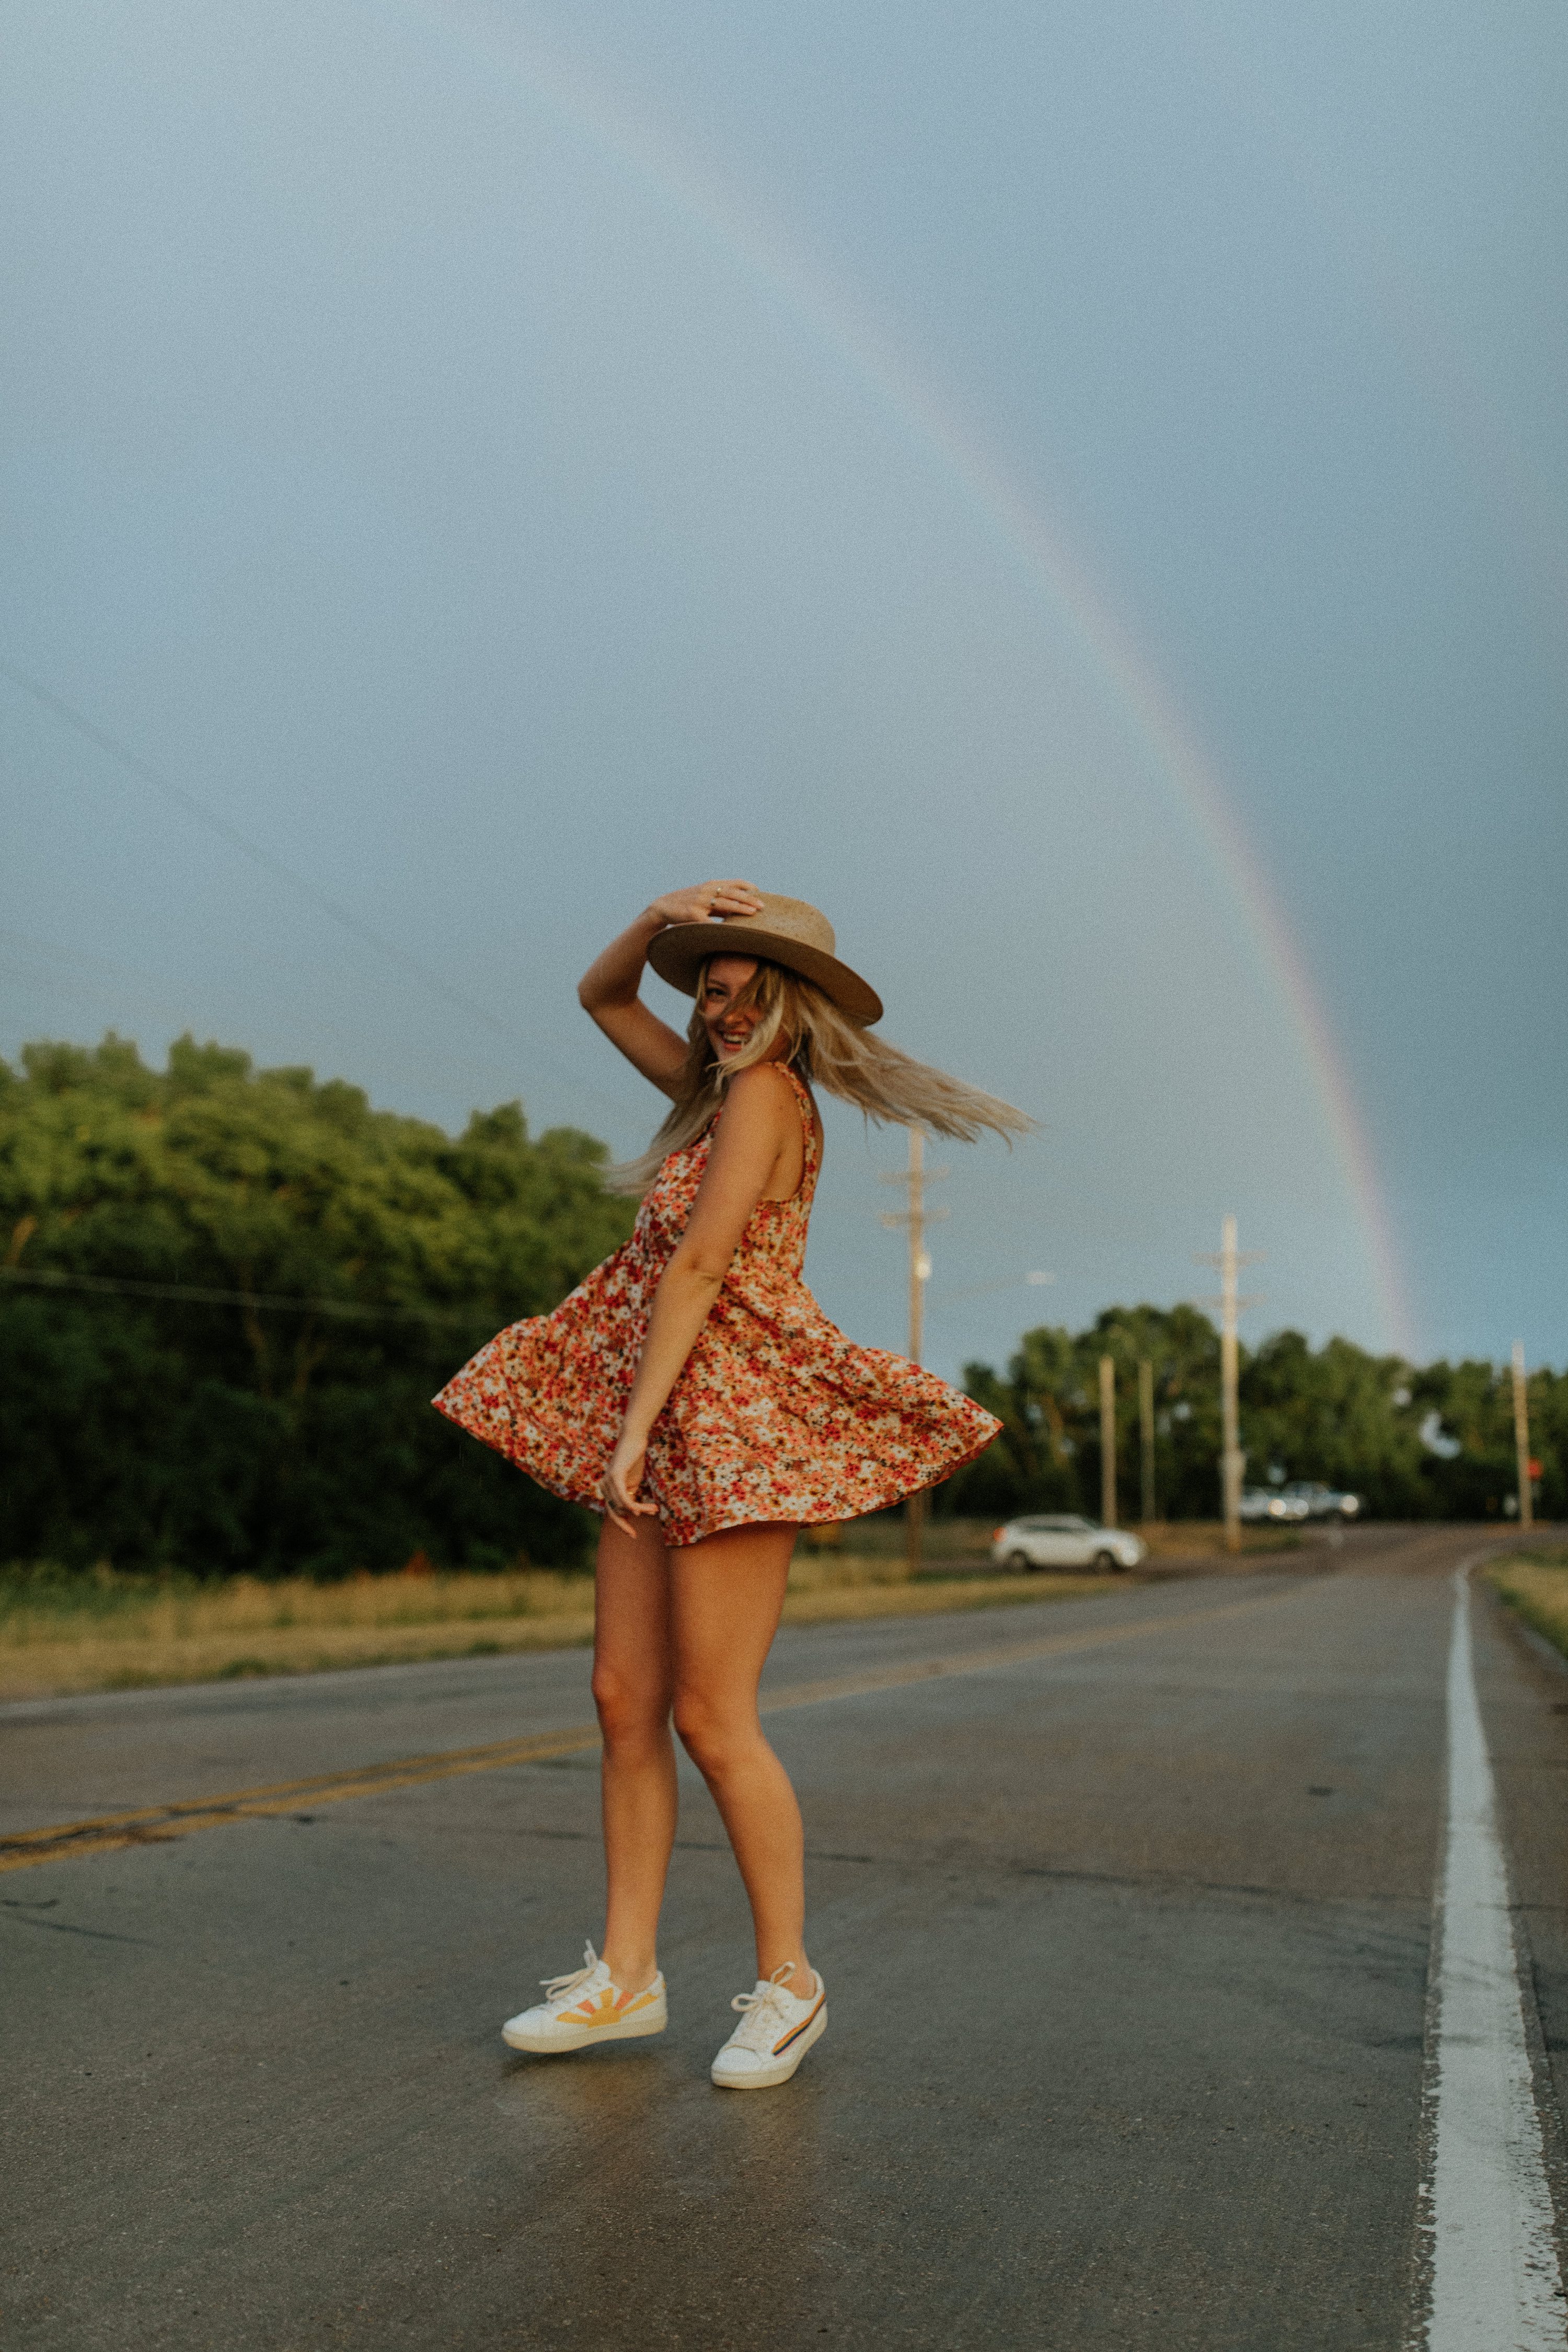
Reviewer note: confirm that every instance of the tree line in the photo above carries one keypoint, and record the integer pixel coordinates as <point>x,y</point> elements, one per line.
<point>150,1426</point>
<point>1416,1442</point>
<point>226,1296</point>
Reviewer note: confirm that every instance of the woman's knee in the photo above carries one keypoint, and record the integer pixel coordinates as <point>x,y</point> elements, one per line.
<point>713,1737</point>
<point>630,1706</point>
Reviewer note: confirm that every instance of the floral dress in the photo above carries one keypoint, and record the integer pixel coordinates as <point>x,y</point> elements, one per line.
<point>775,1415</point>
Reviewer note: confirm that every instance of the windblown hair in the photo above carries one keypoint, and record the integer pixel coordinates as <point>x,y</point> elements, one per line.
<point>827,1050</point>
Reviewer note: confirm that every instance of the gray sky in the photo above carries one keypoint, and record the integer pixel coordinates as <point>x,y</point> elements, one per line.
<point>508,461</point>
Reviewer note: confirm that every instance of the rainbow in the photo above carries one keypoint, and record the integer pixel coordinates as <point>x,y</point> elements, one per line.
<point>933,428</point>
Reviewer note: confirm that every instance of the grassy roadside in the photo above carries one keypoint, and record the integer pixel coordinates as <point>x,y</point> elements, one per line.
<point>119,1633</point>
<point>1535,1585</point>
<point>61,1634</point>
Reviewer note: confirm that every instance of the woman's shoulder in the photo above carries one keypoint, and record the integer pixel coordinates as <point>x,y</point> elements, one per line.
<point>775,1097</point>
<point>763,1082</point>
<point>767,1096</point>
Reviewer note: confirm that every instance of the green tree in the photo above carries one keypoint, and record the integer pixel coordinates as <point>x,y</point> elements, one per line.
<point>1413,1444</point>
<point>156,1430</point>
<point>1468,1409</point>
<point>1338,1414</point>
<point>1048,1456</point>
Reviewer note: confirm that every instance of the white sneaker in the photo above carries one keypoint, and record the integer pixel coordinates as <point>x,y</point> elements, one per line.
<point>774,2034</point>
<point>584,2007</point>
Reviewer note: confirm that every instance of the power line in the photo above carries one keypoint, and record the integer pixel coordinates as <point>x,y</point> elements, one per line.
<point>114,749</point>
<point>198,1295</point>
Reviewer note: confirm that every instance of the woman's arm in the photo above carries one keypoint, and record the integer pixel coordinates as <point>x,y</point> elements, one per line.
<point>759,1129</point>
<point>608,988</point>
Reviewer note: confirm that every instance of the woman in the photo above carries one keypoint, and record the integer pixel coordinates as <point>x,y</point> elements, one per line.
<point>692,1390</point>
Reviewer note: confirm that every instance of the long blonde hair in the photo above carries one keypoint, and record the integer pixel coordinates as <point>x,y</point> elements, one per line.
<point>826,1049</point>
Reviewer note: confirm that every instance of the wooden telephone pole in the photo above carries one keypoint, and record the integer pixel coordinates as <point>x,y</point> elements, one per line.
<point>1231,1459</point>
<point>1108,1440</point>
<point>1521,1437</point>
<point>915,1217</point>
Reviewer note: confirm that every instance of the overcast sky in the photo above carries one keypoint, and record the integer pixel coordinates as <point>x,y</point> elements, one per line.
<point>501,462</point>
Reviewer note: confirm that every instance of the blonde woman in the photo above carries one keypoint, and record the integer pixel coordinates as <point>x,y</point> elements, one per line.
<point>693,1392</point>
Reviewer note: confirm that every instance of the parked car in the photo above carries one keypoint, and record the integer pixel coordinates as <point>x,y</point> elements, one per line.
<point>1273,1503</point>
<point>1065,1541</point>
<point>1324,1502</point>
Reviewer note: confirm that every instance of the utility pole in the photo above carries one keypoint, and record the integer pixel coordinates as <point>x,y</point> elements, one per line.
<point>1146,1438</point>
<point>915,1218</point>
<point>1231,1459</point>
<point>1108,1440</point>
<point>1521,1437</point>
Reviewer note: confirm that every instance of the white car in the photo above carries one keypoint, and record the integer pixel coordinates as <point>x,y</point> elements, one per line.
<point>1064,1541</point>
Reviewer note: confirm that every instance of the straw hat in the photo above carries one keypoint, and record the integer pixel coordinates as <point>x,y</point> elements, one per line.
<point>787,931</point>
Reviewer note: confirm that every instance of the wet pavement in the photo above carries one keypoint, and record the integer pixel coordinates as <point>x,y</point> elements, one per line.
<point>1125,1940</point>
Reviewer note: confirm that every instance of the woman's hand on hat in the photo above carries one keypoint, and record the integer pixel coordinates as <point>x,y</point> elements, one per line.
<point>706,900</point>
<point>622,1479</point>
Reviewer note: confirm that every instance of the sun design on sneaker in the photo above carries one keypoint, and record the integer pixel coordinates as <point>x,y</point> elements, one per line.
<point>607,2008</point>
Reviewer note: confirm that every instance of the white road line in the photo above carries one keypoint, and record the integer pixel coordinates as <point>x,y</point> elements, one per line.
<point>1495,2279</point>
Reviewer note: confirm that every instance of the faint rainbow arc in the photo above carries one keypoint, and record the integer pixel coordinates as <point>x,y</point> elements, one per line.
<point>931,426</point>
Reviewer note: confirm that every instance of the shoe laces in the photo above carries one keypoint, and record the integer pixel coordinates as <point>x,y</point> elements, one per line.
<point>762,2010</point>
<point>559,1988</point>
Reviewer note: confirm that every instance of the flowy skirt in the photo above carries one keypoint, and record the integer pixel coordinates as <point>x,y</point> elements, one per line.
<point>777,1414</point>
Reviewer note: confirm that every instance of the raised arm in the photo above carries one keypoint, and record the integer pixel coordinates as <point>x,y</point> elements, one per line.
<point>608,988</point>
<point>756,1155</point>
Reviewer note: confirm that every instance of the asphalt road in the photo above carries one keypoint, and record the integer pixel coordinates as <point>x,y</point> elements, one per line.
<point>1125,1920</point>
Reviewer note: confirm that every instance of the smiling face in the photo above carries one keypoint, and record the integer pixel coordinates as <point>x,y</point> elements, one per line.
<point>728,1024</point>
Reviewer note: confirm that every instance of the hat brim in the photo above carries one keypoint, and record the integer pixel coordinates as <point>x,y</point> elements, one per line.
<point>679,954</point>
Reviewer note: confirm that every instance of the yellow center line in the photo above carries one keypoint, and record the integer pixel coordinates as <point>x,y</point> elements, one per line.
<point>157,1824</point>
<point>1001,1654</point>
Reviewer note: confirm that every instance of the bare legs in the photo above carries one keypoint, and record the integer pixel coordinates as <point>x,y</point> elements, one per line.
<point>689,1631</point>
<point>727,1593</point>
<point>634,1687</point>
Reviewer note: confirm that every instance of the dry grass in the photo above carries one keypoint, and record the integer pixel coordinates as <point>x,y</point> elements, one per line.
<point>1200,1539</point>
<point>110,1633</point>
<point>1536,1585</point>
<point>142,1609</point>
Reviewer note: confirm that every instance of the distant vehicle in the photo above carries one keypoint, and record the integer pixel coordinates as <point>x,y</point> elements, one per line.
<point>1065,1541</point>
<point>1272,1503</point>
<point>1324,1502</point>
